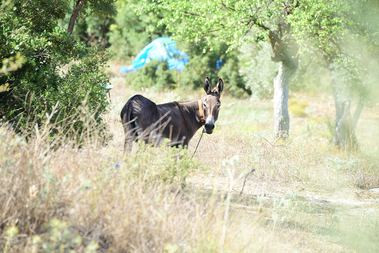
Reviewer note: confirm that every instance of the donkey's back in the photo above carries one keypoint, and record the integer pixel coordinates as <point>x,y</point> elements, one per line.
<point>141,108</point>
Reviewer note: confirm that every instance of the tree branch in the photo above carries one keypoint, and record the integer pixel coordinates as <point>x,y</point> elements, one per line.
<point>227,7</point>
<point>190,14</point>
<point>255,21</point>
<point>74,16</point>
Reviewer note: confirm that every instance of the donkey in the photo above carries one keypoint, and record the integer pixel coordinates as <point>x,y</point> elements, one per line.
<point>143,120</point>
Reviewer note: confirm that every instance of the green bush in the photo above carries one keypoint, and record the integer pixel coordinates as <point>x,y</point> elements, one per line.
<point>236,85</point>
<point>157,75</point>
<point>94,30</point>
<point>204,64</point>
<point>153,75</point>
<point>201,64</point>
<point>58,73</point>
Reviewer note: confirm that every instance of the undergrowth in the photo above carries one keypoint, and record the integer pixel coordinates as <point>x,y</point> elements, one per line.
<point>83,199</point>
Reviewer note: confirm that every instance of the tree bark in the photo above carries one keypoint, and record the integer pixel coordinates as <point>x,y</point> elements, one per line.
<point>345,124</point>
<point>281,86</point>
<point>74,16</point>
<point>284,50</point>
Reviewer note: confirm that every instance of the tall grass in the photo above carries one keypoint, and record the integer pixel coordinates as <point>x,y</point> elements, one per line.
<point>60,196</point>
<point>88,197</point>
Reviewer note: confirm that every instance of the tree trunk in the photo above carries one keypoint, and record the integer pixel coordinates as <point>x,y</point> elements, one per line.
<point>284,50</point>
<point>74,16</point>
<point>345,125</point>
<point>281,116</point>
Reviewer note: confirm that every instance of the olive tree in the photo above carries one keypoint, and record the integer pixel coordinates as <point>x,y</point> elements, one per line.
<point>230,21</point>
<point>341,32</point>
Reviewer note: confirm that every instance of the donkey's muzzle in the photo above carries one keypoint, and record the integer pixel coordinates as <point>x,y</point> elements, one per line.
<point>209,128</point>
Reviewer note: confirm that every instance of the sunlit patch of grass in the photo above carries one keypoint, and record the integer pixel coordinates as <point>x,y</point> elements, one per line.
<point>356,229</point>
<point>298,107</point>
<point>351,228</point>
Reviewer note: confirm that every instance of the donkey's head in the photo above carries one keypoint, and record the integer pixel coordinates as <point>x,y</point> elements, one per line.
<point>211,104</point>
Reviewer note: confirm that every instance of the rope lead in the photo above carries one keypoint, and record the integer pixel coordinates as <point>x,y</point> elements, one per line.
<point>201,136</point>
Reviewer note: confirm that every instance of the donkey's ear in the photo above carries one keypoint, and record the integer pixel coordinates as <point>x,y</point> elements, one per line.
<point>220,86</point>
<point>207,85</point>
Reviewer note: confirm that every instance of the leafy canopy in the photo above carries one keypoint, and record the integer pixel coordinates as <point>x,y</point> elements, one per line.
<point>227,21</point>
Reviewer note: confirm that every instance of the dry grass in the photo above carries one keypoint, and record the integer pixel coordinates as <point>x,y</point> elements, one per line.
<point>302,196</point>
<point>133,204</point>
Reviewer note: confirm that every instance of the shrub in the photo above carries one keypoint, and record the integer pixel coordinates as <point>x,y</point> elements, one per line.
<point>205,64</point>
<point>236,85</point>
<point>58,73</point>
<point>202,63</point>
<point>154,74</point>
<point>157,75</point>
<point>94,30</point>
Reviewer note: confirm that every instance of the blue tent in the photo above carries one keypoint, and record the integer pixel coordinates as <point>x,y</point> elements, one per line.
<point>161,49</point>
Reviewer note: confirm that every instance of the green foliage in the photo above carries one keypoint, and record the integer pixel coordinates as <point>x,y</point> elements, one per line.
<point>154,74</point>
<point>9,65</point>
<point>220,21</point>
<point>157,75</point>
<point>201,65</point>
<point>55,71</point>
<point>230,23</point>
<point>38,16</point>
<point>323,22</point>
<point>94,24</point>
<point>320,26</point>
<point>102,8</point>
<point>93,30</point>
<point>340,32</point>
<point>230,72</point>
<point>131,31</point>
<point>12,64</point>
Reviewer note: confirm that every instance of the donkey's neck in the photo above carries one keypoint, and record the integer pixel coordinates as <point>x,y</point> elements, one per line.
<point>190,113</point>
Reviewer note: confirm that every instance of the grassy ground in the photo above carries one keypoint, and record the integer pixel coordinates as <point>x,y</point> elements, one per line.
<point>304,195</point>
